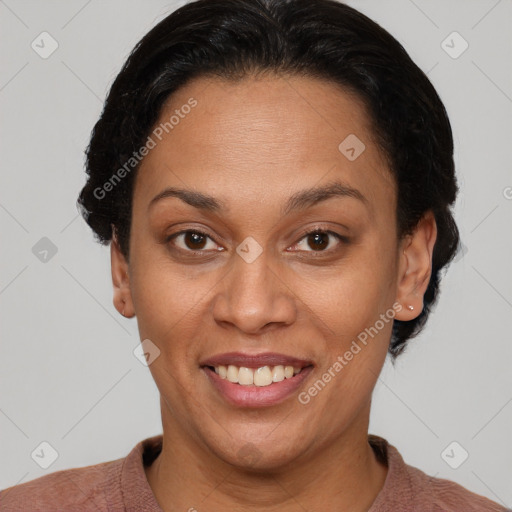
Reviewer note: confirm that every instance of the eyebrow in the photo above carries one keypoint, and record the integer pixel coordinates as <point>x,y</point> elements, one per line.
<point>298,201</point>
<point>195,199</point>
<point>312,196</point>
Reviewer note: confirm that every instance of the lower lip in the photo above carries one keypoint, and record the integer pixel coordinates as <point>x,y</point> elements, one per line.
<point>257,396</point>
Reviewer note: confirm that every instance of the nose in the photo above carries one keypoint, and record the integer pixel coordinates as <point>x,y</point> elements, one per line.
<point>254,298</point>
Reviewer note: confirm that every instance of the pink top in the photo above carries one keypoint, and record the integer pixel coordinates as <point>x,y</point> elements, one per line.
<point>121,485</point>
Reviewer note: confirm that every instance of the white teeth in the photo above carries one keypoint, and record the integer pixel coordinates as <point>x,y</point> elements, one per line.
<point>263,376</point>
<point>222,371</point>
<point>278,373</point>
<point>245,376</point>
<point>232,374</point>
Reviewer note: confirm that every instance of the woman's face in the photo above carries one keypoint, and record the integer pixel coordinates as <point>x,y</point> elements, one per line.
<point>246,278</point>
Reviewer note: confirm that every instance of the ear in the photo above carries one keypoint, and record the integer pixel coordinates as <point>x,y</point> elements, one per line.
<point>415,267</point>
<point>120,279</point>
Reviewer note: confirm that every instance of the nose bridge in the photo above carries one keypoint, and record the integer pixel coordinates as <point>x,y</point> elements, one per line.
<point>253,294</point>
<point>252,278</point>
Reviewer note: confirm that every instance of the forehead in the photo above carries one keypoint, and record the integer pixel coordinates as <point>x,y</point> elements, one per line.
<point>262,137</point>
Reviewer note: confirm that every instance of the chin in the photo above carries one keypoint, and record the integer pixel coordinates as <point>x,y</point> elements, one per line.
<point>262,456</point>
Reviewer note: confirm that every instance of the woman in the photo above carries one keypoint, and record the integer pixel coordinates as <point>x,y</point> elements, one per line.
<point>275,180</point>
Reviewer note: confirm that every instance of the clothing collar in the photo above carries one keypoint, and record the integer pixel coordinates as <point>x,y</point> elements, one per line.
<point>138,495</point>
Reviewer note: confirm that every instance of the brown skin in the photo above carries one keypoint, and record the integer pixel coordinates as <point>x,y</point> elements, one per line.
<point>252,145</point>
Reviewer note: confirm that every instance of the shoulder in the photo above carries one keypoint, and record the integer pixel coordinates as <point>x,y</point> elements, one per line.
<point>408,488</point>
<point>85,488</point>
<point>448,496</point>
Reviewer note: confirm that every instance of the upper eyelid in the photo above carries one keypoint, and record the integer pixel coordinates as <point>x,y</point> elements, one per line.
<point>197,231</point>
<point>339,238</point>
<point>302,235</point>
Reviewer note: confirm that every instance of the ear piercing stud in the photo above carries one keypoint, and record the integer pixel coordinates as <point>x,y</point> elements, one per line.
<point>411,308</point>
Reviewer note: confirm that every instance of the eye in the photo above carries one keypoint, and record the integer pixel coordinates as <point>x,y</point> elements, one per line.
<point>319,241</point>
<point>196,242</point>
<point>192,241</point>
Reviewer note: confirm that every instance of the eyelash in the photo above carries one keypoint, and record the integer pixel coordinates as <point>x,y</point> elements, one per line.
<point>340,238</point>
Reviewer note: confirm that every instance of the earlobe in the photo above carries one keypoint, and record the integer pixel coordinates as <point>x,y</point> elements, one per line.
<point>415,267</point>
<point>120,279</point>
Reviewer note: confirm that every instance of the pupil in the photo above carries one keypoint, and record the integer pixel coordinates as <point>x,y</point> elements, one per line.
<point>194,239</point>
<point>319,240</point>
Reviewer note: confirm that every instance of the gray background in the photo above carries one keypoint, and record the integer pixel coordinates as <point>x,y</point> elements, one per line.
<point>68,374</point>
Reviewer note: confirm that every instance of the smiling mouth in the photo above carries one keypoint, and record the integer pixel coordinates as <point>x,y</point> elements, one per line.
<point>256,377</point>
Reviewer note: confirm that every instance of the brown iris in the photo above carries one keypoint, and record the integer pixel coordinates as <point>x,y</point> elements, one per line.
<point>318,240</point>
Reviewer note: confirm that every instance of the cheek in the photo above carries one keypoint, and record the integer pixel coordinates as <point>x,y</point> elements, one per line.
<point>356,342</point>
<point>165,300</point>
<point>162,289</point>
<point>354,296</point>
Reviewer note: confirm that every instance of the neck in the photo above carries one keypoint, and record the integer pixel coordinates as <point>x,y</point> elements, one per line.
<point>344,474</point>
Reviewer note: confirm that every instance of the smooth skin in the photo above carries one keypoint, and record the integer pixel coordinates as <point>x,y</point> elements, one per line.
<point>251,145</point>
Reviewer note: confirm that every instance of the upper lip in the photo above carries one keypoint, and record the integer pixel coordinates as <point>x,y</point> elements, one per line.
<point>255,360</point>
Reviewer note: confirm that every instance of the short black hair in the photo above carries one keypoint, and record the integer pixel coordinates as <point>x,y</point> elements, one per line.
<point>322,39</point>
